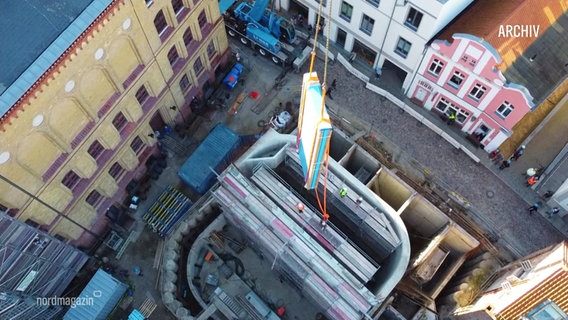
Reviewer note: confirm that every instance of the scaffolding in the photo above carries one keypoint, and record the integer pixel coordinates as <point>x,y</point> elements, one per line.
<point>33,265</point>
<point>292,251</point>
<point>335,242</point>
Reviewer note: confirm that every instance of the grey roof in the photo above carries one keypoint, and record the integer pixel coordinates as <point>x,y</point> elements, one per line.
<point>98,299</point>
<point>33,35</point>
<point>550,64</point>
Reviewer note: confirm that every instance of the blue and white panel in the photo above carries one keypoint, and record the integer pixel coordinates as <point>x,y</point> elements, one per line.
<point>314,130</point>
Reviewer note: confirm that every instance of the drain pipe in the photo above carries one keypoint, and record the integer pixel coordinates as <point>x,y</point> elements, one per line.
<point>416,70</point>
<point>387,31</point>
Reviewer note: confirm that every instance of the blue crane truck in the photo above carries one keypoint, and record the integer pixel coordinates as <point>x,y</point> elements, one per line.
<point>262,29</point>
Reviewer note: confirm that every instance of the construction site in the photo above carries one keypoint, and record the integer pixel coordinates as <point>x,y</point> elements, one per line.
<point>245,250</point>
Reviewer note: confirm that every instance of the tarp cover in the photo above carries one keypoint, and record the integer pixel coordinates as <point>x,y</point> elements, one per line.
<point>212,154</point>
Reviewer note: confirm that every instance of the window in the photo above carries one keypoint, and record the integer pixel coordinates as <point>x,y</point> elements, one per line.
<point>119,121</point>
<point>202,19</point>
<point>477,91</point>
<point>70,180</point>
<point>346,11</point>
<point>142,95</point>
<point>32,223</point>
<point>456,79</point>
<point>137,144</point>
<point>461,116</point>
<point>173,56</point>
<point>505,109</point>
<point>323,2</point>
<point>436,67</point>
<point>187,37</point>
<point>178,6</point>
<point>116,170</point>
<point>95,149</point>
<point>443,104</point>
<point>211,49</point>
<point>448,108</point>
<point>402,47</point>
<point>367,24</point>
<point>198,66</point>
<point>340,37</point>
<point>546,310</point>
<point>94,198</point>
<point>160,22</point>
<point>413,19</point>
<point>374,3</point>
<point>184,83</point>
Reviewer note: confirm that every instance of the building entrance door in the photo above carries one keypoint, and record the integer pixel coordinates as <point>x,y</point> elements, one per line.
<point>420,94</point>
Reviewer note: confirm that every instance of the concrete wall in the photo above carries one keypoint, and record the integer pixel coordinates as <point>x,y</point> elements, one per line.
<point>390,188</point>
<point>423,217</point>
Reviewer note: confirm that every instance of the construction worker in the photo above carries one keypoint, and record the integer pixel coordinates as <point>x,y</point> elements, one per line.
<point>300,207</point>
<point>532,180</point>
<point>324,221</point>
<point>343,192</point>
<point>452,118</point>
<point>359,201</point>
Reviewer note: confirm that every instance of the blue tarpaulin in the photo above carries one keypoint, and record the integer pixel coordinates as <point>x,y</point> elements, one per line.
<point>211,155</point>
<point>98,299</point>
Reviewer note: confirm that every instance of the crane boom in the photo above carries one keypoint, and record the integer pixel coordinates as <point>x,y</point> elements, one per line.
<point>257,10</point>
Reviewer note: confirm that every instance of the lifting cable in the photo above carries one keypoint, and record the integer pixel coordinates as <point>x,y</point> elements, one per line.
<point>323,208</point>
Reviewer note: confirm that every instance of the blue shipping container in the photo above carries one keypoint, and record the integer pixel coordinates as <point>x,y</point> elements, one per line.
<point>212,154</point>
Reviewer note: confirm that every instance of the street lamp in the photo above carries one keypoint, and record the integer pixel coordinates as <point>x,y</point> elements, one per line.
<point>181,113</point>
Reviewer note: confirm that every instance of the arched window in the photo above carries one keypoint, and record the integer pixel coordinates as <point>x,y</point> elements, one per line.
<point>160,22</point>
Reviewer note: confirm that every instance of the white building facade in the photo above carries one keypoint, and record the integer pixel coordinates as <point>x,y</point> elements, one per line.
<point>386,34</point>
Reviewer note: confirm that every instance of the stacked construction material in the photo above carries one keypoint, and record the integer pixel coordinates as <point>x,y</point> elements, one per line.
<point>168,208</point>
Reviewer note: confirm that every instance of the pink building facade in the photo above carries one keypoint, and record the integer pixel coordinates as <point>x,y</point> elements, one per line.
<point>461,77</point>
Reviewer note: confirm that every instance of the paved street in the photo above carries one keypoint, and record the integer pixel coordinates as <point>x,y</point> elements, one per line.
<point>495,205</point>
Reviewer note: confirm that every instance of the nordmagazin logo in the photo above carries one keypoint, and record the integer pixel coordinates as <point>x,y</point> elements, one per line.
<point>69,301</point>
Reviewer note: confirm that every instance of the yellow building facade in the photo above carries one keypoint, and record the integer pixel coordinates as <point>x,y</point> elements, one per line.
<point>84,130</point>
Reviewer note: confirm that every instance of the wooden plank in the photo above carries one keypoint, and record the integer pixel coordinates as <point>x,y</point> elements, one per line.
<point>235,107</point>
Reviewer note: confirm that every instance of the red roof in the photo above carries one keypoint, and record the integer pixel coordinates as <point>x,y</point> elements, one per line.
<point>485,18</point>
